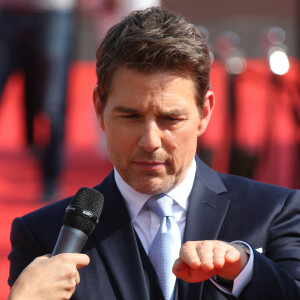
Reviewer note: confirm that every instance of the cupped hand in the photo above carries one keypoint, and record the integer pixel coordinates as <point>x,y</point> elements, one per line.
<point>201,260</point>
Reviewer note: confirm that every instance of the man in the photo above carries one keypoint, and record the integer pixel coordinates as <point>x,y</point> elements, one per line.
<point>153,101</point>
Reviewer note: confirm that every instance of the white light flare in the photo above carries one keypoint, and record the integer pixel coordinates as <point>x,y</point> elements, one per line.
<point>279,61</point>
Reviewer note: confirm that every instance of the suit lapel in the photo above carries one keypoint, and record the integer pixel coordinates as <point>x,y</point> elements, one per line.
<point>206,212</point>
<point>116,241</point>
<point>205,215</point>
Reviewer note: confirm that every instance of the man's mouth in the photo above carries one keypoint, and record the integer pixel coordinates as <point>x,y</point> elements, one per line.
<point>149,165</point>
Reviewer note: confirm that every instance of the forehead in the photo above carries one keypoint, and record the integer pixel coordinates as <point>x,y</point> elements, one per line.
<point>129,83</point>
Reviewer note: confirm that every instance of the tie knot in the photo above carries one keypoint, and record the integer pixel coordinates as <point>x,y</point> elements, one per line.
<point>161,204</point>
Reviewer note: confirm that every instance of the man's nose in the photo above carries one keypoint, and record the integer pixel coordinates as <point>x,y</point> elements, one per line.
<point>150,139</point>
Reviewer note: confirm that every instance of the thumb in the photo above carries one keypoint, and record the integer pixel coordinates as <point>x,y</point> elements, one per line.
<point>180,269</point>
<point>82,260</point>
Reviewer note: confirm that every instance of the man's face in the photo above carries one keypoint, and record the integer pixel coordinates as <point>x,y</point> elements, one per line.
<point>152,124</point>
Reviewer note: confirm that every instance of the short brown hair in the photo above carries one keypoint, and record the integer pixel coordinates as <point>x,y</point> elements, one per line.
<point>154,40</point>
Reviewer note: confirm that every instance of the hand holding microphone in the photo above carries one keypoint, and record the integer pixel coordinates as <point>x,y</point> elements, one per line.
<point>55,277</point>
<point>49,278</point>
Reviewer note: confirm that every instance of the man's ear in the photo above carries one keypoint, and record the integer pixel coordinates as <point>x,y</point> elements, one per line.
<point>98,107</point>
<point>209,104</point>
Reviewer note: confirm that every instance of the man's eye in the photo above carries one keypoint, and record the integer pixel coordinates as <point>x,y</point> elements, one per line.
<point>173,119</point>
<point>133,116</point>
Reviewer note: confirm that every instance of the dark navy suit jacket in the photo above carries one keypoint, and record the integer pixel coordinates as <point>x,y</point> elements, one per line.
<point>222,207</point>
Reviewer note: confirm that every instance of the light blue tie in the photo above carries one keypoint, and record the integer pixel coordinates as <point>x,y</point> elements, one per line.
<point>165,247</point>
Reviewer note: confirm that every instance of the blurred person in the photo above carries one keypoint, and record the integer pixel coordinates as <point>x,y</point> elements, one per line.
<point>51,278</point>
<point>222,236</point>
<point>36,38</point>
<point>106,13</point>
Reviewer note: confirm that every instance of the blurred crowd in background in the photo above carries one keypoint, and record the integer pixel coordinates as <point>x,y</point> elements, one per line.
<point>255,131</point>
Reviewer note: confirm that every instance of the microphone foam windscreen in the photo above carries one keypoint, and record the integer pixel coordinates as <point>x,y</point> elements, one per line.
<point>84,210</point>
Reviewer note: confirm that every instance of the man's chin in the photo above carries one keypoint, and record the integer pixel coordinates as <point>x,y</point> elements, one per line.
<point>152,186</point>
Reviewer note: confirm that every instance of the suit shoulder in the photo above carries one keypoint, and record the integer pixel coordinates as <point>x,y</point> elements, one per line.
<point>234,185</point>
<point>49,217</point>
<point>49,210</point>
<point>245,185</point>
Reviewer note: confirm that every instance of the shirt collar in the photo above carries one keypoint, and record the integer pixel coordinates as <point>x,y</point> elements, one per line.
<point>135,200</point>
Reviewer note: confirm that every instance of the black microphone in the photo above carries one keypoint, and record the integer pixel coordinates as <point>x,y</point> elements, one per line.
<point>81,218</point>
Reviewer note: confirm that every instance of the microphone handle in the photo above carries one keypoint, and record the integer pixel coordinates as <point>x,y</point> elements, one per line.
<point>70,240</point>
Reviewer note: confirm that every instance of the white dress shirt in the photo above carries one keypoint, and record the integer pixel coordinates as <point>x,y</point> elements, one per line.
<point>146,222</point>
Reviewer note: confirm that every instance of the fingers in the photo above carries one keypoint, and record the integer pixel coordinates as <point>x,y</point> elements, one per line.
<point>189,254</point>
<point>71,282</point>
<point>205,254</point>
<point>232,255</point>
<point>200,260</point>
<point>77,279</point>
<point>69,264</point>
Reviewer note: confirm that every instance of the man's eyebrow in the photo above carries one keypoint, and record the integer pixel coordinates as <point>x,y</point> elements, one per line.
<point>123,109</point>
<point>130,110</point>
<point>174,112</point>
